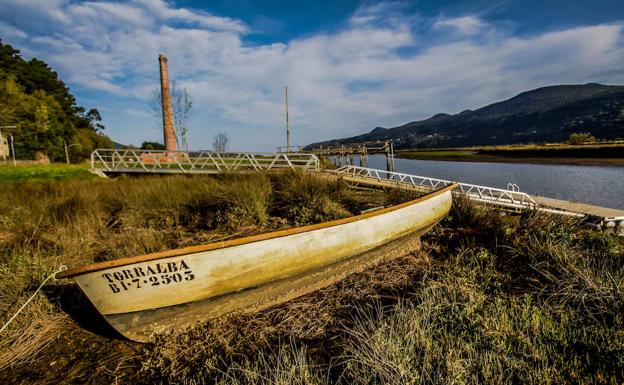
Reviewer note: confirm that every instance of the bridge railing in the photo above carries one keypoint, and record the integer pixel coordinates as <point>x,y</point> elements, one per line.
<point>162,161</point>
<point>485,194</point>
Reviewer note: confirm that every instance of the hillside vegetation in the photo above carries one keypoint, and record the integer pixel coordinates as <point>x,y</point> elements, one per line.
<point>489,298</point>
<point>43,111</point>
<point>548,114</point>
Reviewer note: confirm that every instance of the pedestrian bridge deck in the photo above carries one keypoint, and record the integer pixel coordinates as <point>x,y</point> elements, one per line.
<point>121,161</point>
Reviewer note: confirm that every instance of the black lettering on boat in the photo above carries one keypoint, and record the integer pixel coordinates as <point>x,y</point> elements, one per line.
<point>108,276</point>
<point>153,274</point>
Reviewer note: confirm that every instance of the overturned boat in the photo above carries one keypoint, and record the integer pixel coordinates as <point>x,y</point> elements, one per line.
<point>155,293</point>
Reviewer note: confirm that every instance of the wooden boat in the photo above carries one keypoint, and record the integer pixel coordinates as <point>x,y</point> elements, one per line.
<point>150,294</point>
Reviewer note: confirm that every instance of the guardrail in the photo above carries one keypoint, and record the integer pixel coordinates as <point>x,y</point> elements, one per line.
<point>203,162</point>
<point>509,198</point>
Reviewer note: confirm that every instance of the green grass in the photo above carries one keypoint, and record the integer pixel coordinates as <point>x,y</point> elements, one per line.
<point>39,173</point>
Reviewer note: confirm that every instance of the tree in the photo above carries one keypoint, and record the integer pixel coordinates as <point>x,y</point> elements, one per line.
<point>182,104</point>
<point>42,118</point>
<point>220,142</point>
<point>45,115</point>
<point>94,118</point>
<point>581,137</point>
<point>152,146</point>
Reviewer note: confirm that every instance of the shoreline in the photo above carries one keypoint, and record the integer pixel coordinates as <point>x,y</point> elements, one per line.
<point>608,156</point>
<point>531,160</point>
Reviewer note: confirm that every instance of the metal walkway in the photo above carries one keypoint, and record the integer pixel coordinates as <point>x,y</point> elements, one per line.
<point>110,161</point>
<point>510,198</point>
<point>483,194</point>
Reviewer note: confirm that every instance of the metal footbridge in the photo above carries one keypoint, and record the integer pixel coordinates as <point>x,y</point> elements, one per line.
<point>510,198</point>
<point>123,161</point>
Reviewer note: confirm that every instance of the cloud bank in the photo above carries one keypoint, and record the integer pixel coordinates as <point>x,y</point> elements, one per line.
<point>381,67</point>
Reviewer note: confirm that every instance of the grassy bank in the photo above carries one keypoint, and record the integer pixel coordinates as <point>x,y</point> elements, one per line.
<point>594,154</point>
<point>41,173</point>
<point>488,299</point>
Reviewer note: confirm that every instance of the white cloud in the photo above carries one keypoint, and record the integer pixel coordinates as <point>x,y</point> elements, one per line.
<point>466,25</point>
<point>138,113</point>
<point>382,68</point>
<point>7,30</point>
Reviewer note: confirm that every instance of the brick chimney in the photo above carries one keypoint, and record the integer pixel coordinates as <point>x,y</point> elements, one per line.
<point>167,110</point>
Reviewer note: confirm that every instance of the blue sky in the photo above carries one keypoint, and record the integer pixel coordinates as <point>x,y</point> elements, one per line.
<point>349,65</point>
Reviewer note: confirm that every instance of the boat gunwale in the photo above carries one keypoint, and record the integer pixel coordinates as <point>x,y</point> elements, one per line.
<point>70,273</point>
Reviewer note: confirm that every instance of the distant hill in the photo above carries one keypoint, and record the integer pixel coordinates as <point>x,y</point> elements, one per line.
<point>547,114</point>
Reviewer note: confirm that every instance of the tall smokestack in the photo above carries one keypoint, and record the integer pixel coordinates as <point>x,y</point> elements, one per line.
<point>167,110</point>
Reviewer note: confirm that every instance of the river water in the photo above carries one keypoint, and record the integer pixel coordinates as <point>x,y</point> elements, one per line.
<point>602,186</point>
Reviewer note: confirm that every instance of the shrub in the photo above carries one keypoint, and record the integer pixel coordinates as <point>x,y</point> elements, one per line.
<point>581,138</point>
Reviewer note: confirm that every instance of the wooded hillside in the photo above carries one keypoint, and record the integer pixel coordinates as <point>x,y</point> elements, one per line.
<point>38,103</point>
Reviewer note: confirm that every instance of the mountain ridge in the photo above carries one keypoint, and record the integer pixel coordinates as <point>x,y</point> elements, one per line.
<point>544,114</point>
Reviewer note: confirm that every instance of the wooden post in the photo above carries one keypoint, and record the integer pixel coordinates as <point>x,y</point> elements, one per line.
<point>364,159</point>
<point>167,110</point>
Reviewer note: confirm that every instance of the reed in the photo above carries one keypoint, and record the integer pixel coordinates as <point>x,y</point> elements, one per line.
<point>304,198</point>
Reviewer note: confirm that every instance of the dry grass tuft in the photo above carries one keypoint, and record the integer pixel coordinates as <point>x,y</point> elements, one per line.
<point>304,198</point>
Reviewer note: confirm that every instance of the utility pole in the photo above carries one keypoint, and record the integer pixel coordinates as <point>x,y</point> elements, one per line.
<point>66,153</point>
<point>67,147</point>
<point>13,152</point>
<point>287,123</point>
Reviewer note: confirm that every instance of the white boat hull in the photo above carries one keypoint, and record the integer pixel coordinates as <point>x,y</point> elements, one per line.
<point>142,284</point>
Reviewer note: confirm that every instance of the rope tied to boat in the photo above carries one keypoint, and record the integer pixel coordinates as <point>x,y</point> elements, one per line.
<point>61,268</point>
